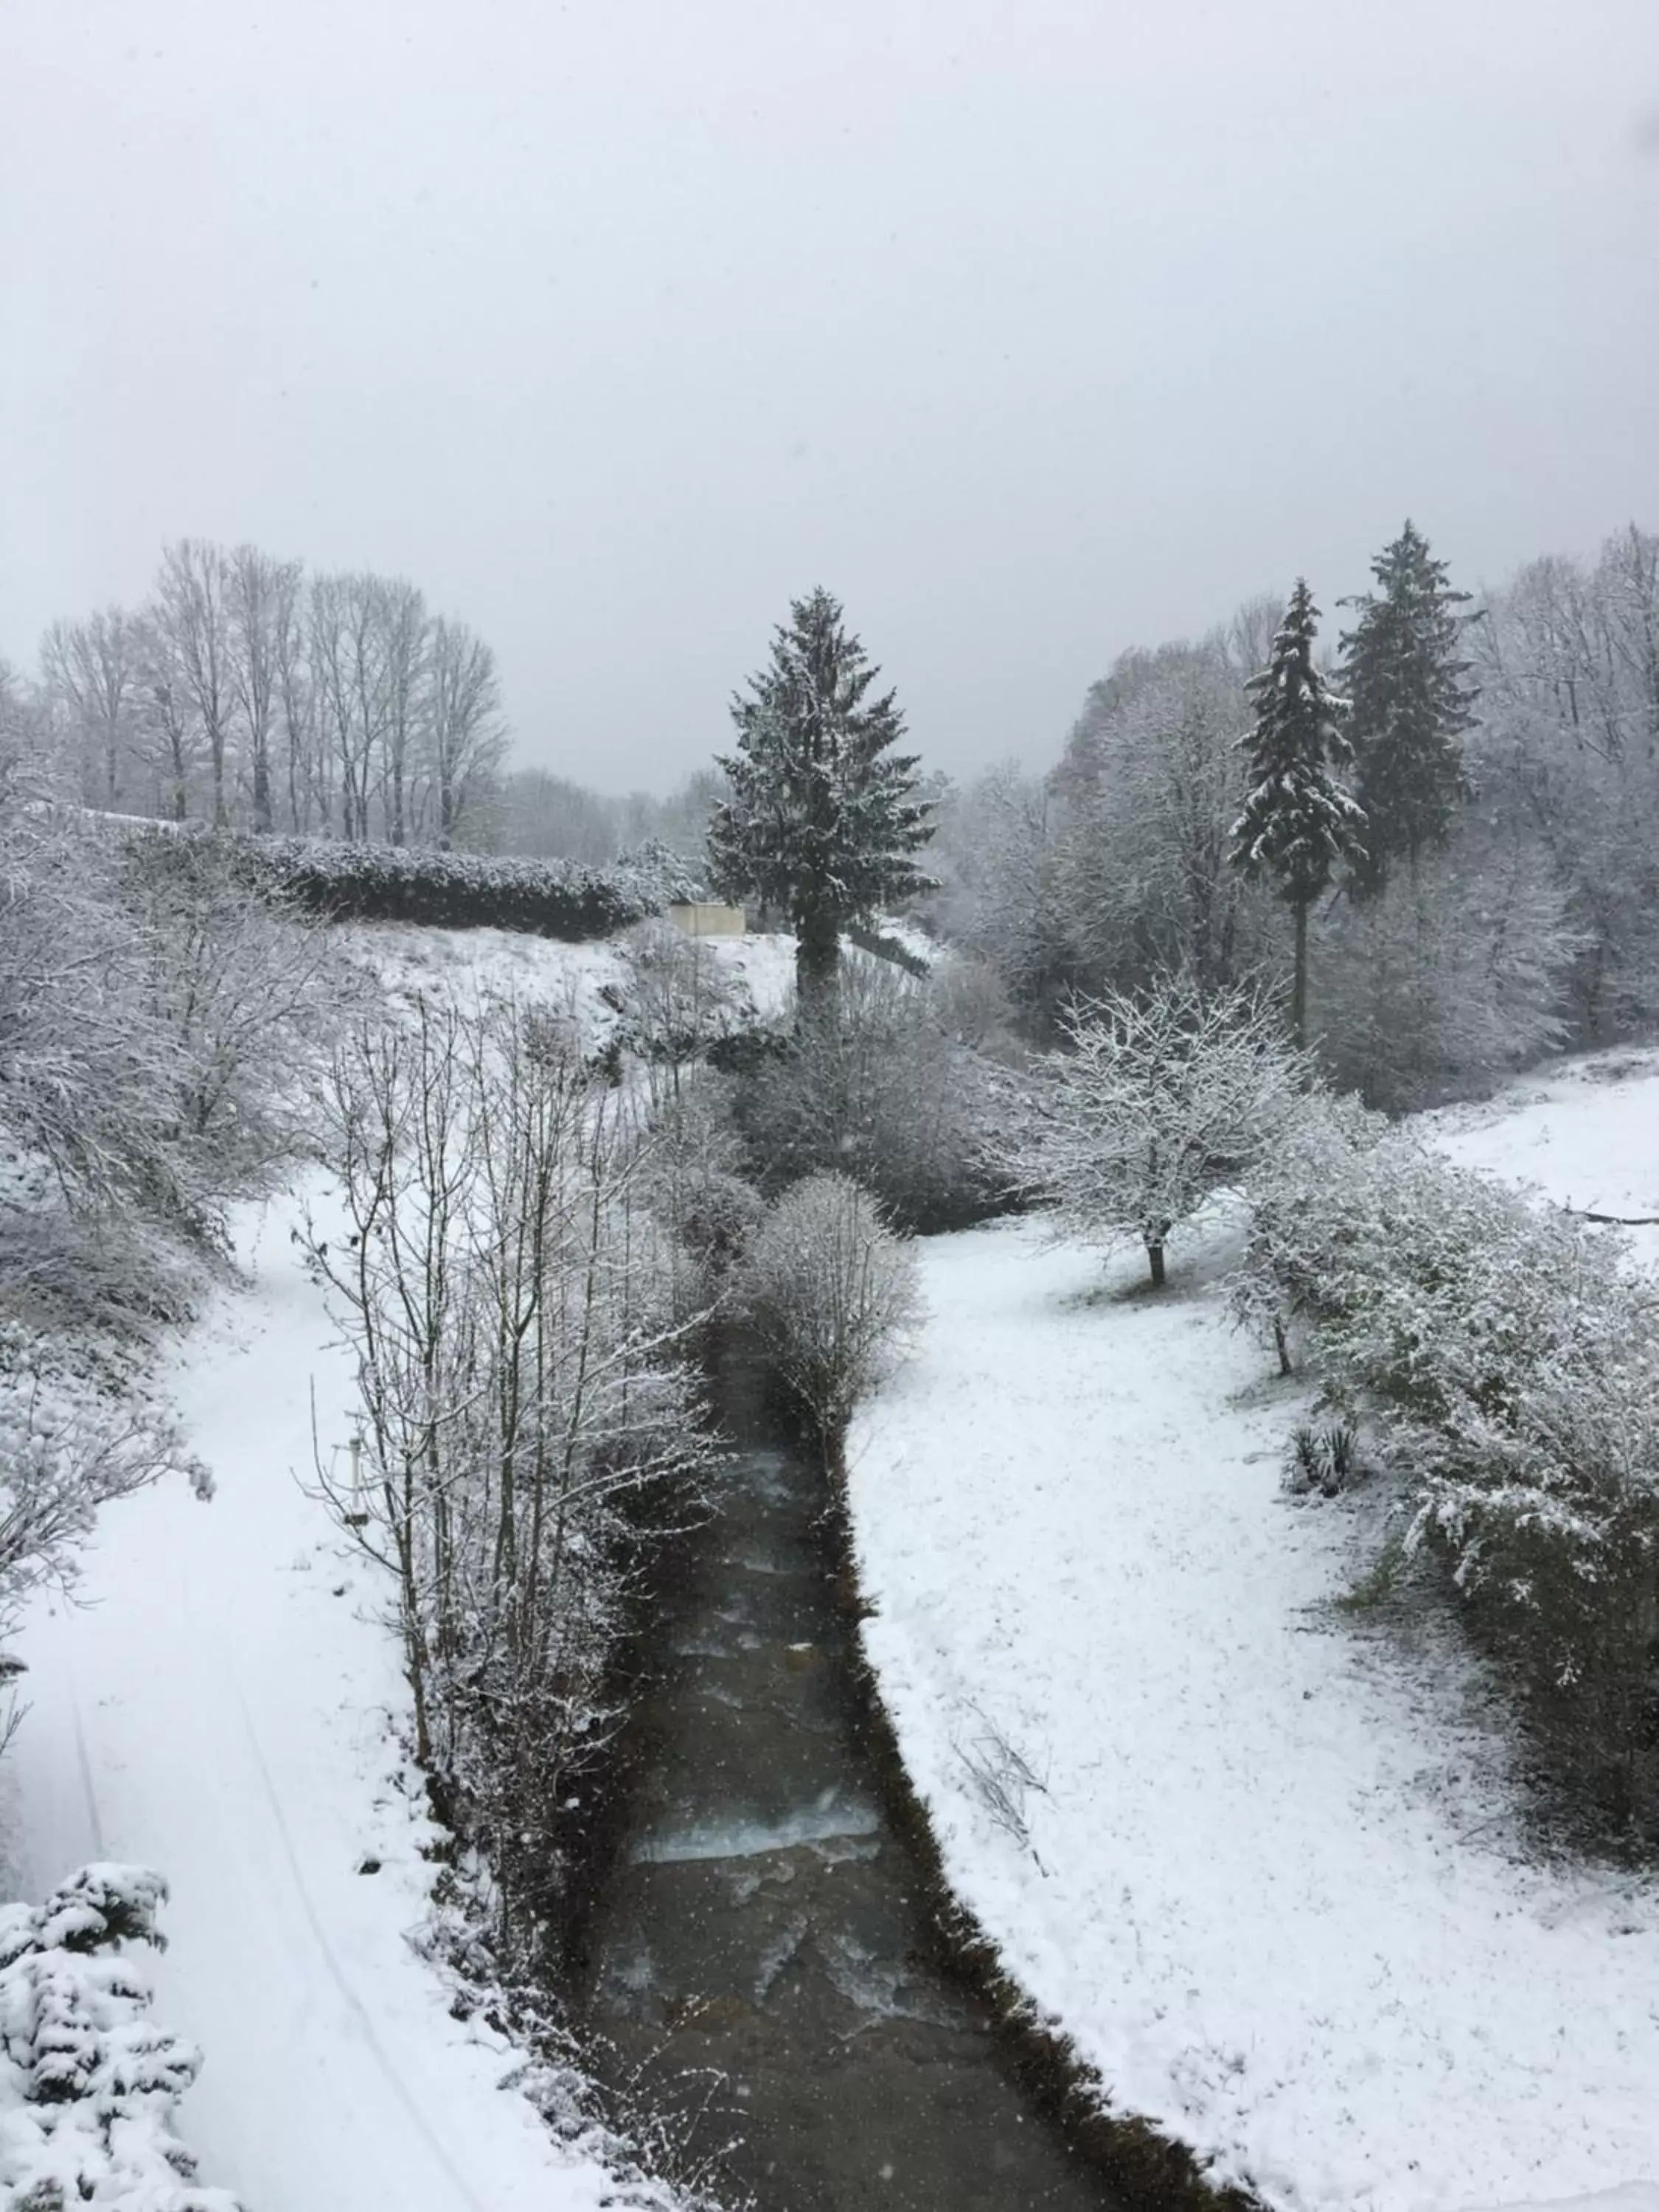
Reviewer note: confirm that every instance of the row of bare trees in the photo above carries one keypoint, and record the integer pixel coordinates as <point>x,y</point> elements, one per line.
<point>246,691</point>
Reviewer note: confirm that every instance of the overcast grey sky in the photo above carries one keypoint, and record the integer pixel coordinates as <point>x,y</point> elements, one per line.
<point>1032,328</point>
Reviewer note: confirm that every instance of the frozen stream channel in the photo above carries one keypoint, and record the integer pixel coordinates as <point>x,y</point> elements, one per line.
<point>763,1922</point>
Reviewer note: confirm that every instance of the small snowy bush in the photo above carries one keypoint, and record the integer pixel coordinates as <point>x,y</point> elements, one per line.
<point>89,2085</point>
<point>832,1294</point>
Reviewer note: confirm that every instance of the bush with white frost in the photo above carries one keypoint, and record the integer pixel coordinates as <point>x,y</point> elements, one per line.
<point>89,2086</point>
<point>1158,1100</point>
<point>832,1295</point>
<point>1506,1356</point>
<point>896,1084</point>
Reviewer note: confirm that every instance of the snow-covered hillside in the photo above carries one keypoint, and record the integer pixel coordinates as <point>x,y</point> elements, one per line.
<point>224,1703</point>
<point>1275,1884</point>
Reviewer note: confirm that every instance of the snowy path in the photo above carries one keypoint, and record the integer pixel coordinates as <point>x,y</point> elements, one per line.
<point>221,1712</point>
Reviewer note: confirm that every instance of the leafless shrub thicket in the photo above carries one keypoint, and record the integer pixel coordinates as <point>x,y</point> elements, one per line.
<point>526,1394</point>
<point>832,1294</point>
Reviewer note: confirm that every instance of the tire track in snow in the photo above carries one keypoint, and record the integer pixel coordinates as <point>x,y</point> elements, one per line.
<point>353,2004</point>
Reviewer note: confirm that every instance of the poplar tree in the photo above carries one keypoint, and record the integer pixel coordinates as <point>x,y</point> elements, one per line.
<point>821,820</point>
<point>1404,670</point>
<point>1299,821</point>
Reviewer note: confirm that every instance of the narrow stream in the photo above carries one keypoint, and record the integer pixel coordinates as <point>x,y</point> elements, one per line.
<point>762,1924</point>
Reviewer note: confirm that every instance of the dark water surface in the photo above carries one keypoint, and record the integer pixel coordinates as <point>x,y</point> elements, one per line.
<point>764,1921</point>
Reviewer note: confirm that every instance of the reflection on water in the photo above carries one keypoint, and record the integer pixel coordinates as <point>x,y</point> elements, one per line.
<point>760,1921</point>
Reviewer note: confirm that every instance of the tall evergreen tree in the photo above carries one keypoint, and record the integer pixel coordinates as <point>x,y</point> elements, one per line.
<point>1404,670</point>
<point>821,820</point>
<point>1299,821</point>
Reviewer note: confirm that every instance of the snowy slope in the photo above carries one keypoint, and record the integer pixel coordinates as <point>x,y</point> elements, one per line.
<point>221,1707</point>
<point>1275,1887</point>
<point>469,961</point>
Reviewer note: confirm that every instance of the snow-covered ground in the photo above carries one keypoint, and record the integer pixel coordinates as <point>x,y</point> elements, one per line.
<point>1275,1885</point>
<point>223,1704</point>
<point>505,962</point>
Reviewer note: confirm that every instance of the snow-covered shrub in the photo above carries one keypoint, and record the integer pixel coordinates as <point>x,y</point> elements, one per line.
<point>65,1449</point>
<point>1156,1101</point>
<point>525,1391</point>
<point>694,1184</point>
<point>1507,1357</point>
<point>242,986</point>
<point>86,1077</point>
<point>832,1294</point>
<point>89,2087</point>
<point>678,1000</point>
<point>885,1089</point>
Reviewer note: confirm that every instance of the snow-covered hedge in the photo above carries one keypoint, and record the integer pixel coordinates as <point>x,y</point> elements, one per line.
<point>1508,1357</point>
<point>459,890</point>
<point>89,2084</point>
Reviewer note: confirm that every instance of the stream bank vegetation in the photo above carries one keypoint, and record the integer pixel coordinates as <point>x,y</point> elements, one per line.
<point>531,1410</point>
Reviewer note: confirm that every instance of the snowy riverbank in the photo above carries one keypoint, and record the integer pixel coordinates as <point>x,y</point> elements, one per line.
<point>222,1705</point>
<point>1274,1887</point>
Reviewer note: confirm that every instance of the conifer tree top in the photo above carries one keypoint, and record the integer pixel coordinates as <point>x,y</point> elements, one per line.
<point>1404,669</point>
<point>1298,820</point>
<point>821,820</point>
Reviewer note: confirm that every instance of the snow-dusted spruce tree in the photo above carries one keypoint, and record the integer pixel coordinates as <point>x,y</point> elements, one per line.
<point>524,1386</point>
<point>1156,1101</point>
<point>1404,671</point>
<point>832,1295</point>
<point>1297,822</point>
<point>822,820</point>
<point>89,2087</point>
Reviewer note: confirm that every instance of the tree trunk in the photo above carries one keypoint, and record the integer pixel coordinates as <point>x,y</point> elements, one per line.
<point>1155,1260</point>
<point>1299,986</point>
<point>818,971</point>
<point>262,814</point>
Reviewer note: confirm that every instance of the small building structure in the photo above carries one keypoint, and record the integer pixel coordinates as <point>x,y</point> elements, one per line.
<point>706,918</point>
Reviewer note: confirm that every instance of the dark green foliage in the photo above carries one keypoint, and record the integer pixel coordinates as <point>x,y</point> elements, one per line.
<point>450,890</point>
<point>1298,821</point>
<point>822,820</point>
<point>1405,672</point>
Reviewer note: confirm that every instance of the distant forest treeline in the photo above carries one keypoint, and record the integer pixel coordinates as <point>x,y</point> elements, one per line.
<point>246,691</point>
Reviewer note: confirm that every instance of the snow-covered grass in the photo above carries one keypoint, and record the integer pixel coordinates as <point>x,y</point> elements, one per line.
<point>1276,1888</point>
<point>507,963</point>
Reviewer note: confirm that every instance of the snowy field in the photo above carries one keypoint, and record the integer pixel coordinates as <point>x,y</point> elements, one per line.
<point>223,1704</point>
<point>1274,1884</point>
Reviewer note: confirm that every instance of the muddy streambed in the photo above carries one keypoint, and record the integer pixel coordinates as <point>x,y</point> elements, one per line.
<point>759,1963</point>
